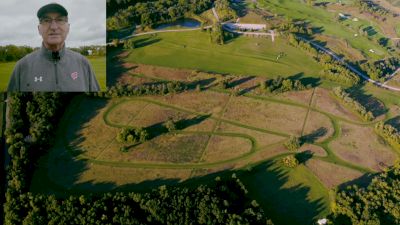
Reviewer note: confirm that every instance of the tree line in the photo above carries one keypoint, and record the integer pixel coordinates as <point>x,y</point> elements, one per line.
<point>380,69</point>
<point>332,69</point>
<point>389,133</point>
<point>372,7</point>
<point>353,103</point>
<point>378,203</point>
<point>280,85</point>
<point>12,53</point>
<point>150,13</point>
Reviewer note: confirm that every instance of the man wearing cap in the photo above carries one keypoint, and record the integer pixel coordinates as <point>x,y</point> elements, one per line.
<point>53,67</point>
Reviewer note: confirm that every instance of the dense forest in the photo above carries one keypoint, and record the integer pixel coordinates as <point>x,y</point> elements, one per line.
<point>378,203</point>
<point>33,118</point>
<point>150,13</point>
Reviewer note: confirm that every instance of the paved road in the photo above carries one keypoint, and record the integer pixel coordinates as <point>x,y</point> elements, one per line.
<point>359,73</point>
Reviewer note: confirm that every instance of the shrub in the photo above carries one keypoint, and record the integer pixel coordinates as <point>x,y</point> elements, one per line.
<point>290,161</point>
<point>293,143</point>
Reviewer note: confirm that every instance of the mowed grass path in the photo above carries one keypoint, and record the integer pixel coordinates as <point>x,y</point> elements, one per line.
<point>98,65</point>
<point>242,56</point>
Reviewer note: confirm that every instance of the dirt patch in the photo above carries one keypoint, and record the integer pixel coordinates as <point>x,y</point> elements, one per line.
<point>88,132</point>
<point>137,178</point>
<point>261,155</point>
<point>314,149</point>
<point>201,102</point>
<point>154,114</point>
<point>164,73</point>
<point>126,111</point>
<point>263,139</point>
<point>324,171</point>
<point>223,148</point>
<point>318,127</point>
<point>302,97</point>
<point>360,145</point>
<point>266,115</point>
<point>168,148</point>
<point>341,46</point>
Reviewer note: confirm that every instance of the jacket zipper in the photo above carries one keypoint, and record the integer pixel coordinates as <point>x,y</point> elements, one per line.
<point>55,72</point>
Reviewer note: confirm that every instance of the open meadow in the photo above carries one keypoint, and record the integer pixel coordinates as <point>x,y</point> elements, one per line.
<point>240,56</point>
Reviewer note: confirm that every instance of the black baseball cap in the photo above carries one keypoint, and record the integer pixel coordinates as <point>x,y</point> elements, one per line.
<point>52,7</point>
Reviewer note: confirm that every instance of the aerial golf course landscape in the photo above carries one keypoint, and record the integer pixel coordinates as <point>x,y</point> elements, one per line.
<point>302,114</point>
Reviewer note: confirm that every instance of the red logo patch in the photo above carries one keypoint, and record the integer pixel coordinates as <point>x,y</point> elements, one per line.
<point>74,75</point>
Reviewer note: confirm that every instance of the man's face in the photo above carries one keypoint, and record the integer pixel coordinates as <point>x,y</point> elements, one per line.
<point>54,29</point>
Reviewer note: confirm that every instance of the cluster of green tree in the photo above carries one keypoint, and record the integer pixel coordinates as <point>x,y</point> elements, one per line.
<point>32,121</point>
<point>294,26</point>
<point>92,50</point>
<point>332,69</point>
<point>150,13</point>
<point>353,103</point>
<point>290,161</point>
<point>389,133</point>
<point>224,10</point>
<point>378,203</point>
<point>115,5</point>
<point>11,53</point>
<point>217,34</point>
<point>380,69</point>
<point>293,143</point>
<point>280,85</point>
<point>225,202</point>
<point>132,135</point>
<point>372,7</point>
<point>161,88</point>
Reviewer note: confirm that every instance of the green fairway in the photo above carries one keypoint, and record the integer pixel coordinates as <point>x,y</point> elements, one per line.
<point>319,17</point>
<point>98,65</point>
<point>242,56</point>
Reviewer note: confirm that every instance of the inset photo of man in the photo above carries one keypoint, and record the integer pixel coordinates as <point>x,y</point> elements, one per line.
<point>52,46</point>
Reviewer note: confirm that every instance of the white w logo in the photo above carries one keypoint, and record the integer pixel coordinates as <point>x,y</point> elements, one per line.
<point>39,79</point>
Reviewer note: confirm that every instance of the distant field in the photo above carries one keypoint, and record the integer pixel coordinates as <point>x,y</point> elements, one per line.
<point>5,73</point>
<point>242,56</point>
<point>98,64</point>
<point>324,19</point>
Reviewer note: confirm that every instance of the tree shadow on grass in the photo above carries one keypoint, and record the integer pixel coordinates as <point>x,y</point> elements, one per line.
<point>304,156</point>
<point>284,205</point>
<point>313,136</point>
<point>306,81</point>
<point>143,42</point>
<point>362,181</point>
<point>371,103</point>
<point>115,65</point>
<point>394,122</point>
<point>240,81</point>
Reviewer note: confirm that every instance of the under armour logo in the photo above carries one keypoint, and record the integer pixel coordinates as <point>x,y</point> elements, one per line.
<point>39,79</point>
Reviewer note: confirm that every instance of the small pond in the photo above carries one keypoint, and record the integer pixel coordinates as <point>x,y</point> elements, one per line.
<point>181,23</point>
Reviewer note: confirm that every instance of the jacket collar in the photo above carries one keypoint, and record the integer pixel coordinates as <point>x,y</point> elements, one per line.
<point>48,54</point>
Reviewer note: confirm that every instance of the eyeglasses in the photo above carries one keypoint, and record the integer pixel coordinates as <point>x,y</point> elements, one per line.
<point>59,21</point>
